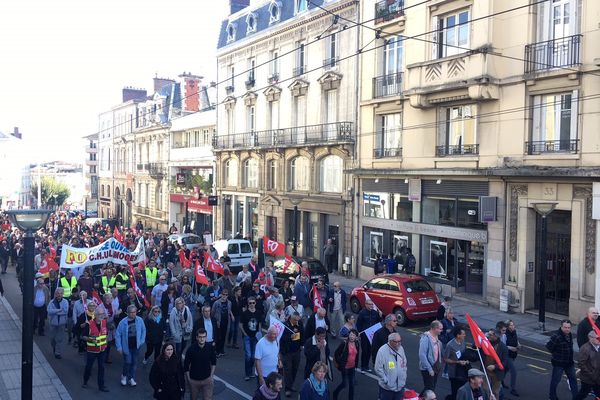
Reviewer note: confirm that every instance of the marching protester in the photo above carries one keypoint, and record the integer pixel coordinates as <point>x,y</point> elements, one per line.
<point>199,366</point>
<point>337,300</point>
<point>95,334</point>
<point>58,309</point>
<point>271,390</point>
<point>380,337</point>
<point>391,368</point>
<point>456,360</point>
<point>513,345</point>
<point>316,349</point>
<point>473,389</point>
<point>560,347</point>
<point>221,312</point>
<point>250,325</point>
<point>315,386</point>
<point>589,366</point>
<point>129,338</point>
<point>181,324</point>
<point>346,361</point>
<point>41,298</point>
<point>495,371</point>
<point>291,350</point>
<point>430,355</point>
<point>266,357</point>
<point>585,326</point>
<point>166,375</point>
<point>155,327</point>
<point>367,317</point>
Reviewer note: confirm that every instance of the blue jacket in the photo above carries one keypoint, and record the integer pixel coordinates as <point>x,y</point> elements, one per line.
<point>58,315</point>
<point>307,392</point>
<point>121,338</point>
<point>344,299</point>
<point>426,357</point>
<point>301,292</point>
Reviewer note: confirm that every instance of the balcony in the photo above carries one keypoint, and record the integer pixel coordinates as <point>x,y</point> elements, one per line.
<point>142,210</point>
<point>273,78</point>
<point>143,167</point>
<point>556,53</point>
<point>250,82</point>
<point>329,63</point>
<point>91,148</point>
<point>229,89</point>
<point>157,170</point>
<point>457,150</point>
<point>297,71</point>
<point>386,152</point>
<point>388,10</point>
<point>310,135</point>
<point>552,146</point>
<point>387,85</point>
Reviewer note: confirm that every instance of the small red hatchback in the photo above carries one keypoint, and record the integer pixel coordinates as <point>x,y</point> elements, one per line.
<point>410,297</point>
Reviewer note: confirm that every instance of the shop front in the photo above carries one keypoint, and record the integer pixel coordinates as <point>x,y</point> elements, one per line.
<point>240,217</point>
<point>195,213</point>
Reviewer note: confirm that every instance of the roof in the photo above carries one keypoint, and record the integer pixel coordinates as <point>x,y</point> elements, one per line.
<point>262,13</point>
<point>194,120</point>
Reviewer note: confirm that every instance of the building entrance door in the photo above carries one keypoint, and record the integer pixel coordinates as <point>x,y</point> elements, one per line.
<point>558,261</point>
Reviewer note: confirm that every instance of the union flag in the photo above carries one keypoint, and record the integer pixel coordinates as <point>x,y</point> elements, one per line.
<point>272,247</point>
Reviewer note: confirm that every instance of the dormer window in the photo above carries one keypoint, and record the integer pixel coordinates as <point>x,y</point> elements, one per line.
<point>301,5</point>
<point>231,28</point>
<point>251,23</point>
<point>274,12</point>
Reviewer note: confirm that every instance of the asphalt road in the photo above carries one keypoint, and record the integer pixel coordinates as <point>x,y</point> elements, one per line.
<point>533,368</point>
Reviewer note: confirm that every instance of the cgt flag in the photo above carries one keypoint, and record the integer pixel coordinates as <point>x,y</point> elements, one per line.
<point>183,260</point>
<point>199,273</point>
<point>317,300</point>
<point>287,263</point>
<point>136,288</point>
<point>118,235</point>
<point>211,265</point>
<point>482,342</point>
<point>272,247</point>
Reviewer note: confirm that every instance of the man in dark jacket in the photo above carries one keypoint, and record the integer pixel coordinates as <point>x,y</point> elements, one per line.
<point>290,347</point>
<point>209,324</point>
<point>585,326</point>
<point>367,317</point>
<point>589,367</point>
<point>473,389</point>
<point>4,255</point>
<point>495,373</point>
<point>381,335</point>
<point>560,346</point>
<point>316,349</point>
<point>319,319</point>
<point>301,291</point>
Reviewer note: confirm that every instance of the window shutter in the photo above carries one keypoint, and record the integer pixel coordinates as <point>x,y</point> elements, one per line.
<point>442,126</point>
<point>435,45</point>
<point>543,22</point>
<point>574,114</point>
<point>536,132</point>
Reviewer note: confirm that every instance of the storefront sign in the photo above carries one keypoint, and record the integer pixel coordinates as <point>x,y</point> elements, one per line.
<point>370,197</point>
<point>430,230</point>
<point>414,190</point>
<point>199,206</point>
<point>180,178</point>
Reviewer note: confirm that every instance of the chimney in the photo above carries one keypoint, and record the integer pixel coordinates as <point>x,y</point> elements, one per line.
<point>17,134</point>
<point>131,93</point>
<point>237,5</point>
<point>191,91</point>
<point>160,83</point>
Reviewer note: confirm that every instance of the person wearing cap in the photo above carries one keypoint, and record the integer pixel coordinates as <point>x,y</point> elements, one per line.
<point>294,307</point>
<point>391,368</point>
<point>41,298</point>
<point>589,366</point>
<point>473,389</point>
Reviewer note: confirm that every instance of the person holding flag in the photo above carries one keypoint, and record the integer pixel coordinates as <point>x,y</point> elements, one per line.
<point>589,323</point>
<point>495,365</point>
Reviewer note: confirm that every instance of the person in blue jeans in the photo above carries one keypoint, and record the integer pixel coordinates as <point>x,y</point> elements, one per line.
<point>560,347</point>
<point>129,338</point>
<point>250,325</point>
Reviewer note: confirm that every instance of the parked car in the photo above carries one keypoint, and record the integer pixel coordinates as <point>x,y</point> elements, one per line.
<point>239,250</point>
<point>316,268</point>
<point>189,240</point>
<point>408,296</point>
<point>102,221</point>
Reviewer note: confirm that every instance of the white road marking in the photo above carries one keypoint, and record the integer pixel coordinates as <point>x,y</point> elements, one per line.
<point>233,388</point>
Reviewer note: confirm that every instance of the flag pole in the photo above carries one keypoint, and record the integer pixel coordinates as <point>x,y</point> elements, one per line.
<point>485,371</point>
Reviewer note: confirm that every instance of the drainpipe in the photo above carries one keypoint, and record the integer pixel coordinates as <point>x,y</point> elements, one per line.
<point>356,193</point>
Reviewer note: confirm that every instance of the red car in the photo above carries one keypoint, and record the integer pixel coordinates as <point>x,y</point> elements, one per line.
<point>410,297</point>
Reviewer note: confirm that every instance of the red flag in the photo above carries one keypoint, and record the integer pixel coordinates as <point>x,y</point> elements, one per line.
<point>317,300</point>
<point>48,264</point>
<point>52,251</point>
<point>287,263</point>
<point>96,297</point>
<point>272,247</point>
<point>183,260</point>
<point>594,326</point>
<point>199,273</point>
<point>211,265</point>
<point>117,235</point>
<point>141,265</point>
<point>135,287</point>
<point>482,342</point>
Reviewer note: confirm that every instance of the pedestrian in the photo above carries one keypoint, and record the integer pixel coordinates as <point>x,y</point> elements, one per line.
<point>391,368</point>
<point>346,360</point>
<point>337,300</point>
<point>448,325</point>
<point>494,371</point>
<point>41,299</point>
<point>329,251</point>
<point>58,310</point>
<point>266,356</point>
<point>286,292</point>
<point>589,366</point>
<point>236,313</point>
<point>129,338</point>
<point>209,324</point>
<point>79,308</point>
<point>367,317</point>
<point>585,326</point>
<point>181,325</point>
<point>221,312</point>
<point>317,320</point>
<point>155,328</point>
<point>250,324</point>
<point>349,324</point>
<point>4,255</point>
<point>455,359</point>
<point>271,390</point>
<point>441,311</point>
<point>95,334</point>
<point>166,375</point>
<point>291,349</point>
<point>378,265</point>
<point>199,366</point>
<point>294,307</point>
<point>411,262</point>
<point>301,291</point>
<point>473,389</point>
<point>316,349</point>
<point>513,345</point>
<point>560,347</point>
<point>430,356</point>
<point>315,386</point>
<point>158,290</point>
<point>380,337</point>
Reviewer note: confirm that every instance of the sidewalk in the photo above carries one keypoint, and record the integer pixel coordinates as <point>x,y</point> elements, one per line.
<point>485,316</point>
<point>46,385</point>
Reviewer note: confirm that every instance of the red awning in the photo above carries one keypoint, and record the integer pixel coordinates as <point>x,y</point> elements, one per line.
<point>199,206</point>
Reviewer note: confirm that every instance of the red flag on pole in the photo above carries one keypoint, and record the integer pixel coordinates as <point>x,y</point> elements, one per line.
<point>287,263</point>
<point>482,342</point>
<point>211,265</point>
<point>594,326</point>
<point>48,264</point>
<point>317,300</point>
<point>135,287</point>
<point>199,273</point>
<point>52,251</point>
<point>272,247</point>
<point>117,235</point>
<point>96,297</point>
<point>183,260</point>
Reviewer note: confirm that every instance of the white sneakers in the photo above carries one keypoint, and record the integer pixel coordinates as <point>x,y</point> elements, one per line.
<point>145,361</point>
<point>132,382</point>
<point>123,380</point>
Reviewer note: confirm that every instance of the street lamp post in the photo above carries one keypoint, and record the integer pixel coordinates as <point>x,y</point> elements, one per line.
<point>543,209</point>
<point>29,221</point>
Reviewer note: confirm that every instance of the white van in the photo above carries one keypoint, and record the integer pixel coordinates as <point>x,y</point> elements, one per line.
<point>239,250</point>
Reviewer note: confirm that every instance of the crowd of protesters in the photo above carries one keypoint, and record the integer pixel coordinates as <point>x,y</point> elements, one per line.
<point>181,327</point>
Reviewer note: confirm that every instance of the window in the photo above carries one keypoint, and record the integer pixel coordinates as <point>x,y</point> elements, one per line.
<point>332,174</point>
<point>231,85</point>
<point>271,175</point>
<point>392,55</point>
<point>331,53</point>
<point>301,5</point>
<point>251,173</point>
<point>250,119</point>
<point>558,19</point>
<point>388,138</point>
<point>554,126</point>
<point>331,114</point>
<point>300,59</point>
<point>231,28</point>
<point>251,23</point>
<point>251,69</point>
<point>452,34</point>
<point>299,118</point>
<point>274,63</point>
<point>231,172</point>
<point>147,195</point>
<point>158,198</point>
<point>230,122</point>
<point>274,12</point>
<point>457,131</point>
<point>273,121</point>
<point>299,174</point>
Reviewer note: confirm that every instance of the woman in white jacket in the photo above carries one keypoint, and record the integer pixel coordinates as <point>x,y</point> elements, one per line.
<point>181,323</point>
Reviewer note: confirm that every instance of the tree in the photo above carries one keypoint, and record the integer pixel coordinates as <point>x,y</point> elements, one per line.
<point>54,192</point>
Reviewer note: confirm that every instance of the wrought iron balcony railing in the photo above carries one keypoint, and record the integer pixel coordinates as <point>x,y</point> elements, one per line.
<point>457,150</point>
<point>337,132</point>
<point>299,71</point>
<point>157,170</point>
<point>388,10</point>
<point>384,152</point>
<point>556,53</point>
<point>329,63</point>
<point>552,146</point>
<point>387,85</point>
